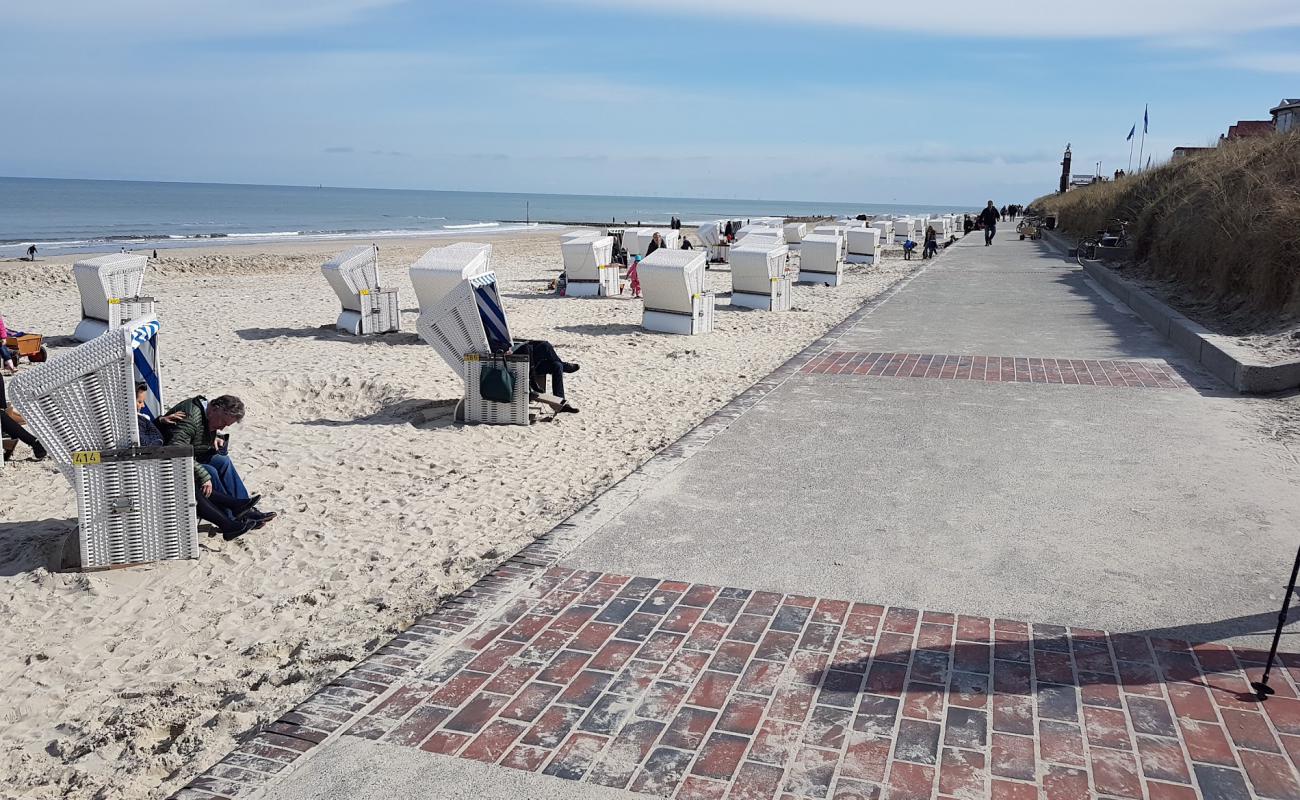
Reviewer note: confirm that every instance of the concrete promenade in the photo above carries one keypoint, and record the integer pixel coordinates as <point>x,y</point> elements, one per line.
<point>988,539</point>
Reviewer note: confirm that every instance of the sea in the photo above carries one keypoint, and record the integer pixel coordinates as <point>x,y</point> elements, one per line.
<point>63,216</point>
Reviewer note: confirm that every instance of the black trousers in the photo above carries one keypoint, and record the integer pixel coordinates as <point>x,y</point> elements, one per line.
<point>10,428</point>
<point>543,361</point>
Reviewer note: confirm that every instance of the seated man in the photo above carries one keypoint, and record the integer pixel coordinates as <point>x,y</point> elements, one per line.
<point>544,361</point>
<point>197,422</point>
<point>231,516</point>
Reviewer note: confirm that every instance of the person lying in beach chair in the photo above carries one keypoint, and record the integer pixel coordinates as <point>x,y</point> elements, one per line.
<point>198,423</point>
<point>468,329</point>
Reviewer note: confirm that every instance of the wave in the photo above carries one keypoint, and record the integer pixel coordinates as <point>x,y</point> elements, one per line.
<point>472,225</point>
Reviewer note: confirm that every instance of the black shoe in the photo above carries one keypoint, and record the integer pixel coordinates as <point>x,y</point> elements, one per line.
<point>254,514</point>
<point>570,367</point>
<point>263,518</point>
<point>567,408</point>
<point>241,528</point>
<point>38,452</point>
<point>251,502</point>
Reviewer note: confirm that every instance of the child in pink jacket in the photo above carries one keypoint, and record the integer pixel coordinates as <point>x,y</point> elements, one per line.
<point>8,359</point>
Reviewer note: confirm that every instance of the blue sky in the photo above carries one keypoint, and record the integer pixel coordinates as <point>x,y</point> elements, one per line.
<point>766,99</point>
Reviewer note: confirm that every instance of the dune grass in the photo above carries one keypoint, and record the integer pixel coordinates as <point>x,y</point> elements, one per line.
<point>1223,225</point>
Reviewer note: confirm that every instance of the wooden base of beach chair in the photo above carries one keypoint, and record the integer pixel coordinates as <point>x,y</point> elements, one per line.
<point>778,299</point>
<point>134,505</point>
<point>698,321</point>
<point>825,278</point>
<point>476,409</point>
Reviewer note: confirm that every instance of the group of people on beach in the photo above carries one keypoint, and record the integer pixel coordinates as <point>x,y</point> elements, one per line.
<point>221,496</point>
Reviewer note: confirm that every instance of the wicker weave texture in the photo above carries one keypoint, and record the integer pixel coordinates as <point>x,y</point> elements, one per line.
<point>82,399</point>
<point>106,278</point>
<point>480,410</point>
<point>136,511</point>
<point>380,312</point>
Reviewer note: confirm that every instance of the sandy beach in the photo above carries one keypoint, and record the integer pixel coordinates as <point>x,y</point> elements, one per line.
<point>123,684</point>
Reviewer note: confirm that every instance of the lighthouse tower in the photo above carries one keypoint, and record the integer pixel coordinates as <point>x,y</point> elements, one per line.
<point>1065,170</point>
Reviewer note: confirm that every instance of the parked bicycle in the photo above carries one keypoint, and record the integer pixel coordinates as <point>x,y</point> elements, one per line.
<point>1115,236</point>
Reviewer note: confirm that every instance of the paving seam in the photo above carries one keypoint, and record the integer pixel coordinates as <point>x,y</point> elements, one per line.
<point>326,715</point>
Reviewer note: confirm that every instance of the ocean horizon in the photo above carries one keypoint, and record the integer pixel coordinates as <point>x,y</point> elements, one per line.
<point>67,215</point>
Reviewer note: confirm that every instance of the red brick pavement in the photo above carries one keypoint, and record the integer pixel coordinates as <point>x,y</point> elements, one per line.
<point>692,691</point>
<point>1003,369</point>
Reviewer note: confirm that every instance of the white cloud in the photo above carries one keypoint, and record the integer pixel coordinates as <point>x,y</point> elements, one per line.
<point>1283,63</point>
<point>1182,19</point>
<point>188,18</point>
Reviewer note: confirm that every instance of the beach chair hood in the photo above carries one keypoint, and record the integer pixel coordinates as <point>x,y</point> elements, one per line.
<point>441,269</point>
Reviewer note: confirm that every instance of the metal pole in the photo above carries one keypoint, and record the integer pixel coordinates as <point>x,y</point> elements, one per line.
<point>1261,687</point>
<point>1130,154</point>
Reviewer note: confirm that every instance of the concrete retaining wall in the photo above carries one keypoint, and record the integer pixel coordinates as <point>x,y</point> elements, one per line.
<point>1240,368</point>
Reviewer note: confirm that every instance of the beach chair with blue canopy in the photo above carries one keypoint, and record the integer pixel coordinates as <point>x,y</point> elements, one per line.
<point>468,328</point>
<point>367,307</point>
<point>134,504</point>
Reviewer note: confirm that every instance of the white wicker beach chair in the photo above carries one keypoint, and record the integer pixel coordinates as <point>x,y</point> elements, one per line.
<point>441,269</point>
<point>589,267</point>
<point>367,307</point>
<point>886,229</point>
<point>821,259</point>
<point>759,279</point>
<point>134,504</point>
<point>110,292</point>
<point>672,287</point>
<point>863,246</point>
<point>902,228</point>
<point>794,232</point>
<point>711,236</point>
<point>466,327</point>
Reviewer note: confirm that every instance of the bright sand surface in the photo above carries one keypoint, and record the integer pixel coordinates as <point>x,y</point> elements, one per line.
<point>123,684</point>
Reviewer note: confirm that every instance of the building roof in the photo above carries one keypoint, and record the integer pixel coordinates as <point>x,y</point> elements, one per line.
<point>1250,127</point>
<point>1286,103</point>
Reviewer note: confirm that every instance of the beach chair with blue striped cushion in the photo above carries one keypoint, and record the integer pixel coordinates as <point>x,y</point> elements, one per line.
<point>110,293</point>
<point>134,504</point>
<point>367,307</point>
<point>468,328</point>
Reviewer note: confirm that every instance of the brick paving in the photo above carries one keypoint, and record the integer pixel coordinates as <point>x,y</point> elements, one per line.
<point>1148,374</point>
<point>693,691</point>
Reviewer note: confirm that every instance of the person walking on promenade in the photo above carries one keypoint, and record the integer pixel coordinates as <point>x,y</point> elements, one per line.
<point>931,248</point>
<point>989,218</point>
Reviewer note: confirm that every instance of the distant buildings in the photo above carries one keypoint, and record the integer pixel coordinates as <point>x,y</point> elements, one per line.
<point>1245,129</point>
<point>1183,152</point>
<point>1286,117</point>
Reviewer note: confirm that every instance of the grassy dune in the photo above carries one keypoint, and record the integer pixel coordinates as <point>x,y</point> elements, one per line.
<point>1222,226</point>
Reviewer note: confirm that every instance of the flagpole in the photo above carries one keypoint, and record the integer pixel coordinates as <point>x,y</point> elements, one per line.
<point>1142,148</point>
<point>1130,154</point>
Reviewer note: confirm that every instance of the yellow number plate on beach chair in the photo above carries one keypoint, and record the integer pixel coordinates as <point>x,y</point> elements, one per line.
<point>85,458</point>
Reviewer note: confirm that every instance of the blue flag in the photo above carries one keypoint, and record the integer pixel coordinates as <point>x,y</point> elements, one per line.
<point>1134,130</point>
<point>1145,117</point>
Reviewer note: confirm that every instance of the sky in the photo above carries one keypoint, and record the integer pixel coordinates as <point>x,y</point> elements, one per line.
<point>840,100</point>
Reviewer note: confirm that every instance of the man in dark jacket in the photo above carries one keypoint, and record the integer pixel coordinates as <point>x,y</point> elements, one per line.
<point>198,423</point>
<point>232,517</point>
<point>990,217</point>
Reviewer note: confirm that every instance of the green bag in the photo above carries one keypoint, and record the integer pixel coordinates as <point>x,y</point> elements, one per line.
<point>496,382</point>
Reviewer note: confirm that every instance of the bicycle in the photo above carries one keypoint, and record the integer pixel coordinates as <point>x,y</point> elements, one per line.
<point>1115,236</point>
